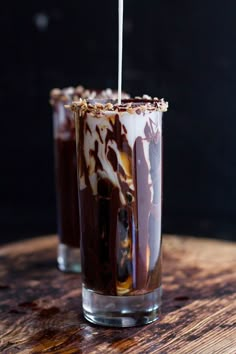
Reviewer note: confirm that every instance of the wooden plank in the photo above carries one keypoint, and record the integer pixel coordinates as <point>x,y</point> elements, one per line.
<point>40,307</point>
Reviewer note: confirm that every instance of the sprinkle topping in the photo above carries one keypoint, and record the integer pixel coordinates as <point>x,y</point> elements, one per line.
<point>137,105</point>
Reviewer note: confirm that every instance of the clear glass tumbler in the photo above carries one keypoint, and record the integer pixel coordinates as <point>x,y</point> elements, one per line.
<point>66,182</point>
<point>119,160</point>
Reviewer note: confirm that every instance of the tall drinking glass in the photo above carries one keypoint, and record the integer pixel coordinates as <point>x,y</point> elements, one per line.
<point>119,160</point>
<point>66,173</point>
<point>66,181</point>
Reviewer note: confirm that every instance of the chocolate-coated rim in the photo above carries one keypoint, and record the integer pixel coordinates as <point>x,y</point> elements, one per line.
<point>132,105</point>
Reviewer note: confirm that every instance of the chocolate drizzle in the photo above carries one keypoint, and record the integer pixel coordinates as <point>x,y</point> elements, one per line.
<point>143,206</point>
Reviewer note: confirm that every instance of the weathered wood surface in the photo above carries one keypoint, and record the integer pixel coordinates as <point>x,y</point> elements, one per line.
<point>40,307</point>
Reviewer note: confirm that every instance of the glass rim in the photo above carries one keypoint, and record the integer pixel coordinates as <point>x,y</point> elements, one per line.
<point>130,105</point>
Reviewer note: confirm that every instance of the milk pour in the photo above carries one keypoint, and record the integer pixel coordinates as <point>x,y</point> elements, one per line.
<point>120,49</point>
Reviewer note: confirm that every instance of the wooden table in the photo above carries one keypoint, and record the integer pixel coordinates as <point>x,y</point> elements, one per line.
<point>40,307</point>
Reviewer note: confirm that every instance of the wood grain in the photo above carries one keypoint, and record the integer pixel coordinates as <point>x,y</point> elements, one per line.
<point>40,307</point>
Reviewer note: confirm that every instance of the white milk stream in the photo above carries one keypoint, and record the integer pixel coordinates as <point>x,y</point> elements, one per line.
<point>121,11</point>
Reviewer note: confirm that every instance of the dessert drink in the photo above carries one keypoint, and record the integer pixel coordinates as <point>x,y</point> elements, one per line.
<point>119,160</point>
<point>66,173</point>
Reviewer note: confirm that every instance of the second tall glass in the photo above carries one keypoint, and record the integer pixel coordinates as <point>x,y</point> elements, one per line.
<point>66,181</point>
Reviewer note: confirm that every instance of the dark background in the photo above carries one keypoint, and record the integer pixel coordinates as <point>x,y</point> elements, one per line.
<point>184,51</point>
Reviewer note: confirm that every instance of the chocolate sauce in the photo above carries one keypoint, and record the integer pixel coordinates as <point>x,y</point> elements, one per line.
<point>120,198</point>
<point>67,192</point>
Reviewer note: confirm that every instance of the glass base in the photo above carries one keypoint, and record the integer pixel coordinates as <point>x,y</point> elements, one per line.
<point>121,311</point>
<point>68,259</point>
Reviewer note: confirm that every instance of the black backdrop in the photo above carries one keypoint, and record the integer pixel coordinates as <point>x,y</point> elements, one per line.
<point>184,51</point>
